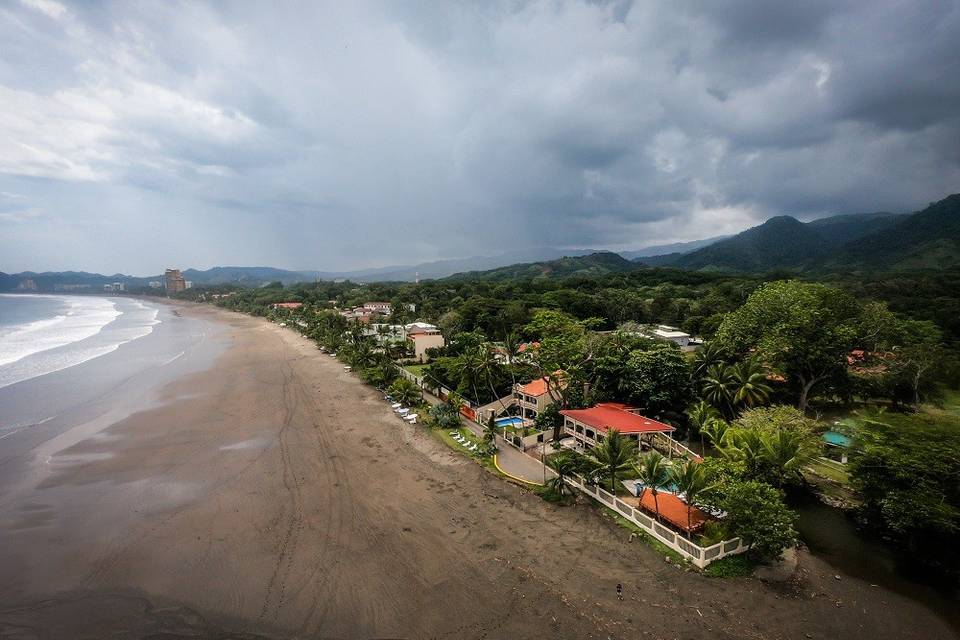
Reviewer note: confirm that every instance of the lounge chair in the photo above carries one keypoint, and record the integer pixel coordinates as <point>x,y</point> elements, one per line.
<point>396,405</point>
<point>472,447</point>
<point>403,411</point>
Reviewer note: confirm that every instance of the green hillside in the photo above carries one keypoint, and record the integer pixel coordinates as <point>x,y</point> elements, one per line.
<point>595,264</point>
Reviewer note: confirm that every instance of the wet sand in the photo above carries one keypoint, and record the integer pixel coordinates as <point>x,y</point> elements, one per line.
<point>274,495</point>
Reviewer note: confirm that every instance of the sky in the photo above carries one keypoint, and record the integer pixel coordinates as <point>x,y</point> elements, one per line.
<point>136,136</point>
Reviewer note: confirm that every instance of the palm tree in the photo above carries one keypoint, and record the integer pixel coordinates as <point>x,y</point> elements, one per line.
<point>405,392</point>
<point>613,455</point>
<point>787,452</point>
<point>749,383</point>
<point>654,473</point>
<point>717,386</point>
<point>691,479</point>
<point>467,367</point>
<point>700,415</point>
<point>746,446</point>
<point>716,430</point>
<point>564,464</point>
<point>490,431</point>
<point>710,355</point>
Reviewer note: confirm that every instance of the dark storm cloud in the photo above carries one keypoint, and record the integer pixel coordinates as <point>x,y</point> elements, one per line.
<point>341,135</point>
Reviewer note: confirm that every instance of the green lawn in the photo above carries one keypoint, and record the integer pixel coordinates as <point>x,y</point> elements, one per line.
<point>416,369</point>
<point>951,402</point>
<point>830,471</point>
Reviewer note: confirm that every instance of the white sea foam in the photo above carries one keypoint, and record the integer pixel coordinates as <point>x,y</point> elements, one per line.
<point>88,329</point>
<point>81,318</point>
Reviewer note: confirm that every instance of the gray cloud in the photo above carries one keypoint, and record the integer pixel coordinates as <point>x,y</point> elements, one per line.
<point>341,135</point>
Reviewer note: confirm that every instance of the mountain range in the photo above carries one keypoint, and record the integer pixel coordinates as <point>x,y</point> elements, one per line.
<point>927,239</point>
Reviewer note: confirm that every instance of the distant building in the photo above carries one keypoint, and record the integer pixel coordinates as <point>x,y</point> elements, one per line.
<point>116,287</point>
<point>174,281</point>
<point>27,285</point>
<point>188,284</point>
<point>155,284</point>
<point>287,305</point>
<point>670,334</point>
<point>71,287</point>
<point>378,307</point>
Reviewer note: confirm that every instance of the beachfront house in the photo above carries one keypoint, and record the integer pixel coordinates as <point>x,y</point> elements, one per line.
<point>423,336</point>
<point>533,397</point>
<point>287,305</point>
<point>590,426</point>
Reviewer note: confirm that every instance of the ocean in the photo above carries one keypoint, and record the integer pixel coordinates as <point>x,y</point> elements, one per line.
<point>41,334</point>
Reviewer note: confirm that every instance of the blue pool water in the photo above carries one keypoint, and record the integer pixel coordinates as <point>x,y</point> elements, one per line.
<point>837,439</point>
<point>506,422</point>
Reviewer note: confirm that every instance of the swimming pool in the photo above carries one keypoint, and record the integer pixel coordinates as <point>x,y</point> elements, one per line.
<point>514,421</point>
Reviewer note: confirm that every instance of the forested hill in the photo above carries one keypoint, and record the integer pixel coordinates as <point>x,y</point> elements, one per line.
<point>784,242</point>
<point>595,264</point>
<point>928,239</point>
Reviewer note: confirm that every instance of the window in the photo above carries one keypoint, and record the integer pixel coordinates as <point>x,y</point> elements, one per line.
<point>591,434</point>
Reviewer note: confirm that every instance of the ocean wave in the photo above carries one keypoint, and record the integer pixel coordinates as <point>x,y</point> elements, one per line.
<point>95,331</point>
<point>79,320</point>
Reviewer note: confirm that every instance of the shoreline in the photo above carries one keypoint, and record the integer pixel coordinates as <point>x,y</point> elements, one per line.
<point>274,493</point>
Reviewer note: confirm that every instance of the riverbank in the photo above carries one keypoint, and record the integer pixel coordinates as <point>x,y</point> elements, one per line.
<point>274,494</point>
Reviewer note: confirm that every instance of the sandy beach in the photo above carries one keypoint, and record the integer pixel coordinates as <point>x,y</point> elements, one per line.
<point>274,495</point>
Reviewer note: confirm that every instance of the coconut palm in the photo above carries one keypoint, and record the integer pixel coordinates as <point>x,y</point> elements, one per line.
<point>716,431</point>
<point>405,392</point>
<point>718,388</point>
<point>564,464</point>
<point>749,383</point>
<point>691,479</point>
<point>654,472</point>
<point>490,431</point>
<point>787,452</point>
<point>700,415</point>
<point>613,455</point>
<point>708,356</point>
<point>468,367</point>
<point>746,446</point>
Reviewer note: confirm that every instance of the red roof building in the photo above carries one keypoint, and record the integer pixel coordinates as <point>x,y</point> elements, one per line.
<point>589,426</point>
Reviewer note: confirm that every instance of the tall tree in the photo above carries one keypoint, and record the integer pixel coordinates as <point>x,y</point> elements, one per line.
<point>803,330</point>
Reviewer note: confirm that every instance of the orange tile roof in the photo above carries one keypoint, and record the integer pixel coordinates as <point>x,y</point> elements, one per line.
<point>614,415</point>
<point>673,510</point>
<point>536,387</point>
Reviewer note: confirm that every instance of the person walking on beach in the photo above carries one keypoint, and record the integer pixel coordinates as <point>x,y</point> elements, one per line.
<point>619,591</point>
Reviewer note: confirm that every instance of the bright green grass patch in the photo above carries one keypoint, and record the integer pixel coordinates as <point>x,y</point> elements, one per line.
<point>830,471</point>
<point>730,567</point>
<point>416,369</point>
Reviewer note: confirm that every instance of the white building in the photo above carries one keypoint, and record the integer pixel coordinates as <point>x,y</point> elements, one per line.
<point>673,334</point>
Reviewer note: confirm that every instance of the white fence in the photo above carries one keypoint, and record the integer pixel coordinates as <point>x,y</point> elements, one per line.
<point>672,446</point>
<point>700,556</point>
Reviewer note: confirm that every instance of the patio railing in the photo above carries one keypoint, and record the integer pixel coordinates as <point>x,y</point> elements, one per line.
<point>700,556</point>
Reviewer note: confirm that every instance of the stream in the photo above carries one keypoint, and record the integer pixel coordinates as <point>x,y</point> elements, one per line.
<point>833,537</point>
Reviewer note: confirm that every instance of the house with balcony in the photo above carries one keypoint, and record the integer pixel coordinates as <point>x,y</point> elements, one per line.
<point>533,397</point>
<point>590,426</point>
